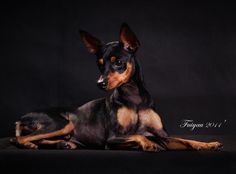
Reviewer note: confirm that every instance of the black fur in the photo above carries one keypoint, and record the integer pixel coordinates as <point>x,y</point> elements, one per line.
<point>96,121</point>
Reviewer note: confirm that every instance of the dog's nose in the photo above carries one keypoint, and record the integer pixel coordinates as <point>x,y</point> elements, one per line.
<point>102,83</point>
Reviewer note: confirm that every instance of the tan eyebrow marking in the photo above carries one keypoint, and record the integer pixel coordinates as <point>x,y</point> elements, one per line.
<point>101,61</point>
<point>113,59</point>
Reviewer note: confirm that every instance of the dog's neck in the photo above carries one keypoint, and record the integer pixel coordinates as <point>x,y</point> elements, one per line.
<point>130,93</point>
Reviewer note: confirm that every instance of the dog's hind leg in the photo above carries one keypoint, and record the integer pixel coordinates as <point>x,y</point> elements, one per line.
<point>18,130</point>
<point>173,143</point>
<point>26,141</point>
<point>60,144</point>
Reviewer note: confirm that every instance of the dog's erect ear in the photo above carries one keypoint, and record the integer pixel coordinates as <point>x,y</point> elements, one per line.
<point>128,38</point>
<point>92,44</point>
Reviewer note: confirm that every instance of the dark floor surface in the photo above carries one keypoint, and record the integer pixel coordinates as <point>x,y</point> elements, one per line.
<point>14,160</point>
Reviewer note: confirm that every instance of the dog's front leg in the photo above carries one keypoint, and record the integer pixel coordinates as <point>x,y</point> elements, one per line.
<point>132,142</point>
<point>173,143</point>
<point>151,122</point>
<point>27,141</point>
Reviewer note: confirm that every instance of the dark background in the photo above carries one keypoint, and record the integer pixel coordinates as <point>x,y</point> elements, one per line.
<point>187,53</point>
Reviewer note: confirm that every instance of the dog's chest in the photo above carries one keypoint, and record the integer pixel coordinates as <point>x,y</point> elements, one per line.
<point>127,119</point>
<point>130,120</point>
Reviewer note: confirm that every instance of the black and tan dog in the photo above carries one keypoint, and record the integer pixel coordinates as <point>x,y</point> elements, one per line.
<point>125,120</point>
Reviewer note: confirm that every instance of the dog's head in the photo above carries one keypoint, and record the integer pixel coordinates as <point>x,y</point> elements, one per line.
<point>115,60</point>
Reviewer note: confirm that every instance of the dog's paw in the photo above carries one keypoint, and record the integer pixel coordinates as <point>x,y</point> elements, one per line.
<point>150,147</point>
<point>143,143</point>
<point>29,145</point>
<point>66,145</point>
<point>208,146</point>
<point>215,145</point>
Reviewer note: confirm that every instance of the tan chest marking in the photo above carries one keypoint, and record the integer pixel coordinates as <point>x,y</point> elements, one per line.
<point>126,117</point>
<point>150,119</point>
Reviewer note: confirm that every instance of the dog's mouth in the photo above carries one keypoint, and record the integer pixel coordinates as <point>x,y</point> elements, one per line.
<point>107,87</point>
<point>102,87</point>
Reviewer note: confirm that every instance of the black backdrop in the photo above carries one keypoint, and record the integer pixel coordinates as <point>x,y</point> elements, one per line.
<point>187,54</point>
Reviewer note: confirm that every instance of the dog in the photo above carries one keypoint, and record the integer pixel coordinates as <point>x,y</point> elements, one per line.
<point>124,120</point>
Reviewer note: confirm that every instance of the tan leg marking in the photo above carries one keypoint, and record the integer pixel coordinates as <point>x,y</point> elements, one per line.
<point>18,128</point>
<point>184,144</point>
<point>144,143</point>
<point>49,142</point>
<point>126,117</point>
<point>66,130</point>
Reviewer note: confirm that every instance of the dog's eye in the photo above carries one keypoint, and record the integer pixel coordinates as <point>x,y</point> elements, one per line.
<point>118,63</point>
